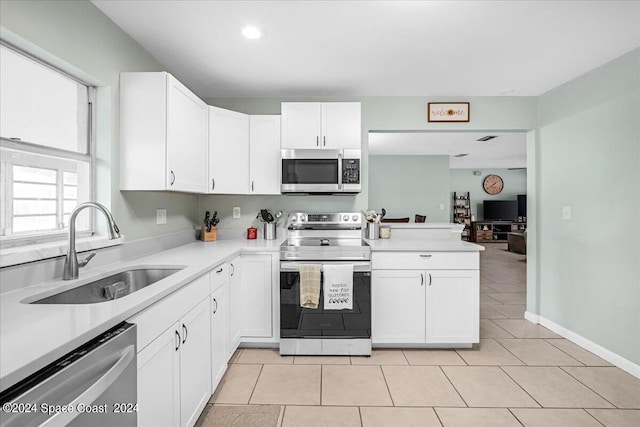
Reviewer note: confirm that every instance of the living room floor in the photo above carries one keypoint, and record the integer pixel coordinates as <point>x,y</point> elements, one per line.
<point>519,374</point>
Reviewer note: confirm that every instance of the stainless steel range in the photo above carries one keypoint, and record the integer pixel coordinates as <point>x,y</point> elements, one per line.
<point>325,239</point>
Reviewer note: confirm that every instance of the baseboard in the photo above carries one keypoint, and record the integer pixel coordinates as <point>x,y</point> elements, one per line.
<point>598,350</point>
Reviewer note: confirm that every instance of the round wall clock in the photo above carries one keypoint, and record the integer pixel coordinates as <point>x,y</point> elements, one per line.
<point>493,184</point>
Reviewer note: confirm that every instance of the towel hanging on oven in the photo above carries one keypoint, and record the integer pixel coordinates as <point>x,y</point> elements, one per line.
<point>309,285</point>
<point>338,286</point>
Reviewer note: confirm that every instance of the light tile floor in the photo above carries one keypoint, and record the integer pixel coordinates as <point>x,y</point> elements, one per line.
<point>520,374</point>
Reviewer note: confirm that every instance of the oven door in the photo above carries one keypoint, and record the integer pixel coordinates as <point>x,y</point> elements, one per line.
<point>311,171</point>
<point>297,322</point>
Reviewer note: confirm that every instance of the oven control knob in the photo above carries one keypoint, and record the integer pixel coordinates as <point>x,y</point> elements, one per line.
<point>355,217</point>
<point>345,218</point>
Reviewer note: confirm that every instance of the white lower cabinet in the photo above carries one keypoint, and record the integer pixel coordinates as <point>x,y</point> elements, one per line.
<point>159,382</point>
<point>219,334</point>
<point>235,304</point>
<point>397,306</point>
<point>195,363</point>
<point>418,306</point>
<point>256,291</point>
<point>174,358</point>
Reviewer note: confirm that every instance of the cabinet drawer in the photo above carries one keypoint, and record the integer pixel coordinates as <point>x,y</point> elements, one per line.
<point>219,276</point>
<point>156,319</point>
<point>425,260</point>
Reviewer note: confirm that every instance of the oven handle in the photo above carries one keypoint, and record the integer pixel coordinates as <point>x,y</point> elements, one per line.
<point>295,266</point>
<point>340,172</point>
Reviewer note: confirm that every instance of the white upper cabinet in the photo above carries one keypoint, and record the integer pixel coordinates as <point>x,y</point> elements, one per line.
<point>264,154</point>
<point>228,152</point>
<point>320,125</point>
<point>163,134</point>
<point>341,125</point>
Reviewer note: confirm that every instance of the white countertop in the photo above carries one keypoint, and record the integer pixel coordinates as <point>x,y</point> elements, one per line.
<point>34,335</point>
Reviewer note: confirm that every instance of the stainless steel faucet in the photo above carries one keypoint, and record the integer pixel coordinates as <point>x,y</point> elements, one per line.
<point>71,263</point>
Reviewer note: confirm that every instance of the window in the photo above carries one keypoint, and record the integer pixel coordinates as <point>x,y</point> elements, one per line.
<point>45,150</point>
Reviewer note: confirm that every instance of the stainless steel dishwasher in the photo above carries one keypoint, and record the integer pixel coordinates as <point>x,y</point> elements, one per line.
<point>94,385</point>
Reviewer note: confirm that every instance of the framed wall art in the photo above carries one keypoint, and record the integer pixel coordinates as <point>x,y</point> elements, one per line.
<point>448,112</point>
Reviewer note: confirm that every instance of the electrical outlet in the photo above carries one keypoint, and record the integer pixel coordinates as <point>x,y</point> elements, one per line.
<point>566,212</point>
<point>161,216</point>
<point>236,212</point>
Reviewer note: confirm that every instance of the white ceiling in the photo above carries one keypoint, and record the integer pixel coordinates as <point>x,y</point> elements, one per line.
<point>379,48</point>
<point>508,150</point>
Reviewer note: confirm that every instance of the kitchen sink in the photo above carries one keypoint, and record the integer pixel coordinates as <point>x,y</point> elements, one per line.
<point>110,288</point>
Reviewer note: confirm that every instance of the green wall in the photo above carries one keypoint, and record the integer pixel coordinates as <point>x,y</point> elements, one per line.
<point>76,36</point>
<point>410,185</point>
<point>589,159</point>
<point>515,182</point>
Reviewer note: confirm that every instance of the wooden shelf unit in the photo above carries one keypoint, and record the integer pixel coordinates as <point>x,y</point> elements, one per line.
<point>494,231</point>
<point>461,211</point>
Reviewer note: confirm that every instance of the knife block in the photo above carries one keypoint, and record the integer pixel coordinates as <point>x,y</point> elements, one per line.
<point>208,236</point>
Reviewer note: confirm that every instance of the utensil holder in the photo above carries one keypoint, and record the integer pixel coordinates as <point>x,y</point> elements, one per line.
<point>208,236</point>
<point>373,230</point>
<point>269,230</point>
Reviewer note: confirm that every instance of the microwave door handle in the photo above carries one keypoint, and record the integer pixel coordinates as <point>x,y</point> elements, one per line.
<point>340,172</point>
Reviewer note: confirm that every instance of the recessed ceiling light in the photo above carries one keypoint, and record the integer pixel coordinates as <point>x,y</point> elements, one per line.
<point>252,33</point>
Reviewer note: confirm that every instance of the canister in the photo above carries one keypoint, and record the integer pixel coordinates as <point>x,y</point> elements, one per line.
<point>269,230</point>
<point>252,233</point>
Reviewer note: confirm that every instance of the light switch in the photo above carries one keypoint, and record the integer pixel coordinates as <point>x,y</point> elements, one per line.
<point>236,212</point>
<point>161,216</point>
<point>566,212</point>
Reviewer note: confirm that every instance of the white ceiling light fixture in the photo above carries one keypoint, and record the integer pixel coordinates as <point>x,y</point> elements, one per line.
<point>252,33</point>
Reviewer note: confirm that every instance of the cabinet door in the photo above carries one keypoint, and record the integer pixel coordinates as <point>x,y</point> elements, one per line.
<point>301,124</point>
<point>398,306</point>
<point>159,381</point>
<point>341,125</point>
<point>186,139</point>
<point>264,154</point>
<point>219,334</point>
<point>228,152</point>
<point>452,306</point>
<point>235,304</point>
<point>256,296</point>
<point>195,362</point>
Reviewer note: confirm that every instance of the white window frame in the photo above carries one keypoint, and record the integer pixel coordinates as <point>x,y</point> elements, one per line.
<point>64,155</point>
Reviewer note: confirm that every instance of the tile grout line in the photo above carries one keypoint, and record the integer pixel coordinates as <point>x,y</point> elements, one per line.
<point>518,384</point>
<point>515,416</point>
<point>255,385</point>
<point>360,415</point>
<point>454,387</point>
<point>514,355</point>
<point>433,408</point>
<point>577,379</point>
<point>321,380</point>
<point>393,403</point>
<point>571,356</point>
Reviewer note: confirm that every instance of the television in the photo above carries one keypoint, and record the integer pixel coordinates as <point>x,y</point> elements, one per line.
<point>500,210</point>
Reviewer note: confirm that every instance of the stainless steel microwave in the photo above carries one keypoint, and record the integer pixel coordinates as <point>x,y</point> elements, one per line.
<point>321,172</point>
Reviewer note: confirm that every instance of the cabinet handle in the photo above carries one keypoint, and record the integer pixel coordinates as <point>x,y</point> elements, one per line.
<point>252,186</point>
<point>421,279</point>
<point>173,178</point>
<point>219,271</point>
<point>213,183</point>
<point>233,269</point>
<point>178,342</point>
<point>425,256</point>
<point>215,310</point>
<point>324,141</point>
<point>429,279</point>
<point>186,333</point>
<point>317,141</point>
